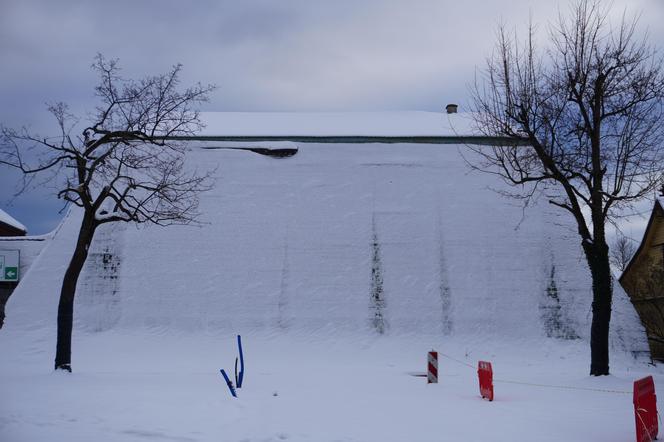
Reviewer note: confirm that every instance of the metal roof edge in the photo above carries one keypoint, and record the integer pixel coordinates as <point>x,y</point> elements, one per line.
<point>361,139</point>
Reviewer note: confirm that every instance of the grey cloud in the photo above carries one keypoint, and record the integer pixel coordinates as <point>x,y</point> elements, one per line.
<point>264,54</point>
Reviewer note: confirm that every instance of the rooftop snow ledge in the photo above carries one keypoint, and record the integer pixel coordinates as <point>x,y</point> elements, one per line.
<point>9,220</point>
<point>337,124</point>
<point>275,149</point>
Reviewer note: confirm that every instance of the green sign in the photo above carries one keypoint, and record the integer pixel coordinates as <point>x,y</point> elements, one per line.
<point>9,262</point>
<point>11,273</point>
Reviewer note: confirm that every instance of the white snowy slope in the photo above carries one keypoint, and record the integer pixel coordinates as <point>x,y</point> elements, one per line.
<point>287,245</point>
<point>291,253</point>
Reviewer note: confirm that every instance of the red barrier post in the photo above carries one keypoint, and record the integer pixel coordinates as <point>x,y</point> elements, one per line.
<point>645,409</point>
<point>432,367</point>
<point>485,374</point>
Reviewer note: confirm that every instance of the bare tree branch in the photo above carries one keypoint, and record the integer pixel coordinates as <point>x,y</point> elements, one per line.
<point>591,106</point>
<point>123,167</point>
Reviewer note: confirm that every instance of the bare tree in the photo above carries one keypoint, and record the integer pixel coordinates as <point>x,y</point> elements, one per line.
<point>622,250</point>
<point>585,117</point>
<point>123,167</point>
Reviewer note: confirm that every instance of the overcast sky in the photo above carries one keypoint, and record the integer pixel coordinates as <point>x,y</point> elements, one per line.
<point>279,55</point>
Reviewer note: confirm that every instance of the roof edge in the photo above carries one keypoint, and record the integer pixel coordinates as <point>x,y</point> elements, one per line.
<point>658,204</point>
<point>361,139</point>
<point>7,220</point>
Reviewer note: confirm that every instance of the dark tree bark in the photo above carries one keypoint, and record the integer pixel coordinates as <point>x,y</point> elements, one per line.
<point>597,257</point>
<point>68,292</point>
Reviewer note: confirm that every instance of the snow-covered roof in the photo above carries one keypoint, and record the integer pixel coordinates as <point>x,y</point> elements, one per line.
<point>321,124</point>
<point>5,218</point>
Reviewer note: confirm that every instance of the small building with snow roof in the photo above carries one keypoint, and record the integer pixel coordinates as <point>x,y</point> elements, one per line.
<point>9,226</point>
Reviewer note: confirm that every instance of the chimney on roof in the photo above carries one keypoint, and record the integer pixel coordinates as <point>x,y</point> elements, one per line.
<point>451,108</point>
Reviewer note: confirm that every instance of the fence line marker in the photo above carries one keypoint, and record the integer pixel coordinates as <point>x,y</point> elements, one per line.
<point>432,367</point>
<point>485,375</point>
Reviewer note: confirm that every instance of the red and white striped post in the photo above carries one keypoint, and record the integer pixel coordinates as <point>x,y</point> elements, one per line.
<point>432,368</point>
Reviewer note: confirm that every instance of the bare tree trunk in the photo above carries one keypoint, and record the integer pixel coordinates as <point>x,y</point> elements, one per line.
<point>66,305</point>
<point>597,255</point>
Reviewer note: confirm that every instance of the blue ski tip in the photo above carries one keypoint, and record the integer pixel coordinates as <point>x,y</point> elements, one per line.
<point>240,376</point>
<point>229,384</point>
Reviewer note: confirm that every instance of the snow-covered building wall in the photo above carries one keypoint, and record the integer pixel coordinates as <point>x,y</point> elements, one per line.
<point>12,240</point>
<point>342,238</point>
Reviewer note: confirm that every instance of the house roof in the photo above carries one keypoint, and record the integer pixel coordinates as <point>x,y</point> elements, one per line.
<point>5,218</point>
<point>338,124</point>
<point>659,206</point>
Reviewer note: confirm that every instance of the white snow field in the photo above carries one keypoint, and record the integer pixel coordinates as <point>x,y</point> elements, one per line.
<point>285,257</point>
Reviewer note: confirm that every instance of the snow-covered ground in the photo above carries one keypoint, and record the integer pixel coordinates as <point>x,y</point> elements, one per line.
<point>168,388</point>
<point>309,258</point>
